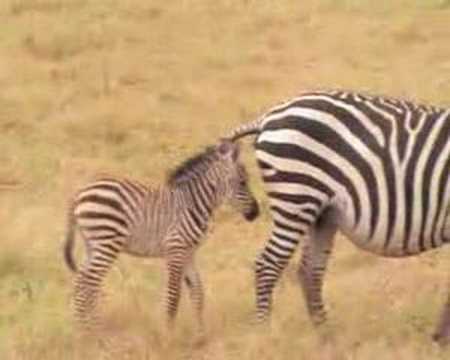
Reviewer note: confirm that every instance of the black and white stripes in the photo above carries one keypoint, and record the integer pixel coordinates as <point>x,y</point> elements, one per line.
<point>116,215</point>
<point>375,168</point>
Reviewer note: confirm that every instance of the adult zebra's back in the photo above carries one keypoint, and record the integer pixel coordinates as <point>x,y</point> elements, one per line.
<point>375,168</point>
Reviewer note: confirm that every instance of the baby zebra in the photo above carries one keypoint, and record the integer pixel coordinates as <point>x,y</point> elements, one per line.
<point>115,216</point>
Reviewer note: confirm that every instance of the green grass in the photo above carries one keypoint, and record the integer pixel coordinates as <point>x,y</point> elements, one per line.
<point>134,87</point>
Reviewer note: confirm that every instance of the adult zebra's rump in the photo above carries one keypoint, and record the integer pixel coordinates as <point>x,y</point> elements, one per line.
<point>117,215</point>
<point>375,168</point>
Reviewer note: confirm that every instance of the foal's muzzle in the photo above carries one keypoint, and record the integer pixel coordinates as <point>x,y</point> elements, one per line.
<point>253,212</point>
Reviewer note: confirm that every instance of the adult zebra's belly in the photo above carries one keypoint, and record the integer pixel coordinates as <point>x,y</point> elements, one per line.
<point>395,247</point>
<point>400,243</point>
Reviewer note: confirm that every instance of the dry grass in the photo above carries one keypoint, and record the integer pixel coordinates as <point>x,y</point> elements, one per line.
<point>136,86</point>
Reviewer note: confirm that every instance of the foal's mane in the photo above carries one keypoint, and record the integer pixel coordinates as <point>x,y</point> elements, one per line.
<point>193,165</point>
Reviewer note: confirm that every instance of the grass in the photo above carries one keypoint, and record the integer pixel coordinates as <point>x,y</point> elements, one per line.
<point>134,87</point>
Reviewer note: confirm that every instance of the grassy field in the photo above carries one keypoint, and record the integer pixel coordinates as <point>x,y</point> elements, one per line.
<point>134,87</point>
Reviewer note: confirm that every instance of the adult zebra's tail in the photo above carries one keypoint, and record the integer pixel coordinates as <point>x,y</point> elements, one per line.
<point>251,128</point>
<point>69,243</point>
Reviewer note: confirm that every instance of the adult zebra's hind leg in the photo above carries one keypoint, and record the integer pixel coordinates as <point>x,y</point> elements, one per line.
<point>315,255</point>
<point>88,281</point>
<point>290,226</point>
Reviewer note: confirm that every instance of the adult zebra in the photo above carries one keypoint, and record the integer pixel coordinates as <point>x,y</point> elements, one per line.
<point>116,215</point>
<point>375,168</point>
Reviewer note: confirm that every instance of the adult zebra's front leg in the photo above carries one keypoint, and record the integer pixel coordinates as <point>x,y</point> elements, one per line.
<point>315,254</point>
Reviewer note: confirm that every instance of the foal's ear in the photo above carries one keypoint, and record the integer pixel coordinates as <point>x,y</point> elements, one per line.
<point>227,147</point>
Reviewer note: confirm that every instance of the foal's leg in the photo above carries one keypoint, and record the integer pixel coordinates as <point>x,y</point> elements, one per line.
<point>194,283</point>
<point>88,281</point>
<point>177,258</point>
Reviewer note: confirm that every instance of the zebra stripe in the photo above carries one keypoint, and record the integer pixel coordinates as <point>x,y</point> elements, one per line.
<point>119,215</point>
<point>375,168</point>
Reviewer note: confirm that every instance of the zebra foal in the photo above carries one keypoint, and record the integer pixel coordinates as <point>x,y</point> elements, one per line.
<point>122,216</point>
<point>375,168</point>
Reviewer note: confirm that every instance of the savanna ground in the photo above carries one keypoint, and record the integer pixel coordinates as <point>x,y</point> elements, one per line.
<point>134,87</point>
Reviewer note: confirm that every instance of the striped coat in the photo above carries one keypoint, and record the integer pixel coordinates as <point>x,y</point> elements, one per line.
<point>375,168</point>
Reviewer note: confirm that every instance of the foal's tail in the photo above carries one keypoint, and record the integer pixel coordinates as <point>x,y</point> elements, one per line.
<point>70,241</point>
